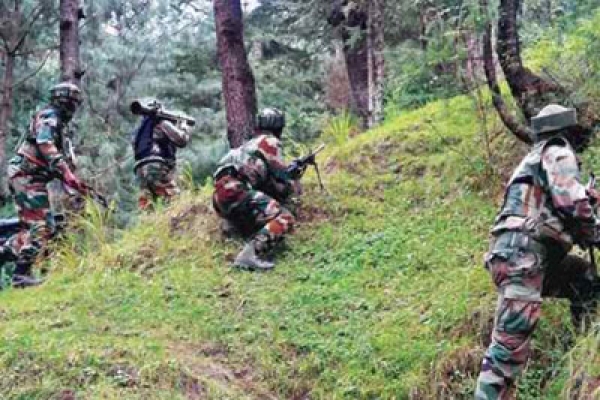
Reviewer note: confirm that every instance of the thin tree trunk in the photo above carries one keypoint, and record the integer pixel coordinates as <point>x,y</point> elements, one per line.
<point>530,91</point>
<point>5,115</point>
<point>238,79</point>
<point>423,29</point>
<point>510,121</point>
<point>351,18</point>
<point>357,62</point>
<point>70,66</point>
<point>376,61</point>
<point>356,51</point>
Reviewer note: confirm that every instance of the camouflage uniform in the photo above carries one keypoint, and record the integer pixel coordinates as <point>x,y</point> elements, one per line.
<point>156,171</point>
<point>39,160</point>
<point>250,184</point>
<point>546,210</point>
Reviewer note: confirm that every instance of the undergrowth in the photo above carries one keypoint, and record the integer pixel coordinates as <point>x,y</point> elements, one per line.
<point>379,294</point>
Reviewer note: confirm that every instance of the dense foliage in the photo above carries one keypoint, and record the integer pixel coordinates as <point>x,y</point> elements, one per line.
<point>166,49</point>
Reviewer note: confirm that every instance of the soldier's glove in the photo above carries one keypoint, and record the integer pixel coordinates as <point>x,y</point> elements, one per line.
<point>297,188</point>
<point>75,183</point>
<point>182,125</point>
<point>594,196</point>
<point>296,170</point>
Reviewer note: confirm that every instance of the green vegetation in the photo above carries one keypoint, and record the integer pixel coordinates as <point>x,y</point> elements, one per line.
<point>380,293</point>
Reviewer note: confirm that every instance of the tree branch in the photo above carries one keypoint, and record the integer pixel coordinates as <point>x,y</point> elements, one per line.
<point>522,132</point>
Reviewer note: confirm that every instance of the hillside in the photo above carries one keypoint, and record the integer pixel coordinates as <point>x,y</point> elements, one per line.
<point>380,293</point>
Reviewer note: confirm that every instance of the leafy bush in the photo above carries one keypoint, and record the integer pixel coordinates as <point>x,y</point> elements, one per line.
<point>415,77</point>
<point>340,128</point>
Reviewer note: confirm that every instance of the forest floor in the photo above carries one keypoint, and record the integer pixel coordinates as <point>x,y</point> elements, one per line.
<point>379,294</point>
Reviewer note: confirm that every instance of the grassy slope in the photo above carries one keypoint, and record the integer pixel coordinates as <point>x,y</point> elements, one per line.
<point>379,294</point>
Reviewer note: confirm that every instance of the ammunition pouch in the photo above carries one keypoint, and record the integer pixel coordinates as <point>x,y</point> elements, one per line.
<point>154,159</point>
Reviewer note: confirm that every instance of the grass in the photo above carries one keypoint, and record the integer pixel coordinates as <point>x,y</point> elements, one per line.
<point>379,294</point>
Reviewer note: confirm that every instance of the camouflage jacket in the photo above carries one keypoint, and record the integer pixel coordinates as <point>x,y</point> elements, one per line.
<point>259,162</point>
<point>42,149</point>
<point>546,197</point>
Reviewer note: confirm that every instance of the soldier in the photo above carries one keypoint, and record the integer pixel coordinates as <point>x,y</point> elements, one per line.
<point>155,145</point>
<point>250,183</point>
<point>546,210</point>
<point>40,159</point>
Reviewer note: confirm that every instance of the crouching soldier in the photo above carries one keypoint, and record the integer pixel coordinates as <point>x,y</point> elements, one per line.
<point>155,144</point>
<point>251,183</point>
<point>40,159</point>
<point>546,210</point>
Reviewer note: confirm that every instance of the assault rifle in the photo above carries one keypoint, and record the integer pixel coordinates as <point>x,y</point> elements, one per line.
<point>155,108</point>
<point>299,165</point>
<point>89,192</point>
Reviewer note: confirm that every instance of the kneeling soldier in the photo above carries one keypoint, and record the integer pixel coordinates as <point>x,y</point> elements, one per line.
<point>250,184</point>
<point>546,210</point>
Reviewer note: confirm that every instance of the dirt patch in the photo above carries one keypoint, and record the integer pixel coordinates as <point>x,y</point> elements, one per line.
<point>144,260</point>
<point>191,387</point>
<point>307,213</point>
<point>209,364</point>
<point>124,375</point>
<point>479,324</point>
<point>184,220</point>
<point>454,376</point>
<point>65,395</point>
<point>585,387</point>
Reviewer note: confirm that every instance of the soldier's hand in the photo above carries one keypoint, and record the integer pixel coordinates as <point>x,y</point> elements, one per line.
<point>74,182</point>
<point>594,196</point>
<point>297,188</point>
<point>182,125</point>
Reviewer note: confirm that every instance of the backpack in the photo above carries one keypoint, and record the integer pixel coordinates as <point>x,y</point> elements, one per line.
<point>142,138</point>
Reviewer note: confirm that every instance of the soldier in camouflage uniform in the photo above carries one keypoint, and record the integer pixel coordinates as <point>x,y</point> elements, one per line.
<point>40,159</point>
<point>251,182</point>
<point>546,210</point>
<point>156,159</point>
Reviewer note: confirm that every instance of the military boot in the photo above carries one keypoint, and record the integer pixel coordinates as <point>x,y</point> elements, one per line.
<point>229,230</point>
<point>248,259</point>
<point>23,278</point>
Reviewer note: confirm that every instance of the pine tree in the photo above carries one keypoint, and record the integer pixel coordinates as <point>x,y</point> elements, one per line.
<point>237,76</point>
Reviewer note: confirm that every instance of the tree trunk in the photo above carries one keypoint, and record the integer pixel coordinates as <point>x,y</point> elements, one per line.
<point>510,121</point>
<point>530,91</point>
<point>70,66</point>
<point>376,62</point>
<point>356,51</point>
<point>5,114</point>
<point>238,80</point>
<point>352,20</point>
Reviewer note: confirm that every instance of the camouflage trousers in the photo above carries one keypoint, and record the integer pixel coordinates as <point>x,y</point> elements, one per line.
<point>252,211</point>
<point>524,271</point>
<point>33,207</point>
<point>157,182</point>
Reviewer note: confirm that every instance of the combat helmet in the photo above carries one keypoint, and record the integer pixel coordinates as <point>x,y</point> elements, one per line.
<point>272,120</point>
<point>555,119</point>
<point>67,96</point>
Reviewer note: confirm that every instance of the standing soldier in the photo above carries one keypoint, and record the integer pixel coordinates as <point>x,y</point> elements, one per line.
<point>40,159</point>
<point>155,145</point>
<point>250,183</point>
<point>546,210</point>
